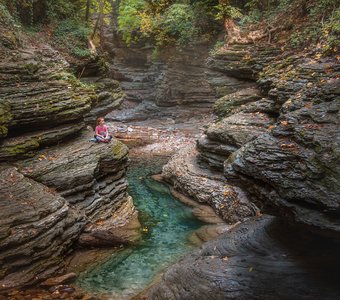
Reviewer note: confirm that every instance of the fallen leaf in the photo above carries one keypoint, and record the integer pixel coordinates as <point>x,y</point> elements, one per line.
<point>42,157</point>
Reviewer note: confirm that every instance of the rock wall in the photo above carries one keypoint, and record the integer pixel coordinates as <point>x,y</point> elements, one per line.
<point>295,165</point>
<point>176,77</point>
<point>278,142</point>
<point>57,188</point>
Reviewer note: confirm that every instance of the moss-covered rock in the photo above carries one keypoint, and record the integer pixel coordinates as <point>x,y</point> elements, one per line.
<point>5,117</point>
<point>224,106</point>
<point>26,144</point>
<point>40,92</point>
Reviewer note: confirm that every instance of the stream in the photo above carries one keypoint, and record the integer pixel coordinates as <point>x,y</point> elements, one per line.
<point>166,226</point>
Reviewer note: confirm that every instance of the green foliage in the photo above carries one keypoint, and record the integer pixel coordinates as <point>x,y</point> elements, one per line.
<point>260,9</point>
<point>73,36</point>
<point>331,34</point>
<point>327,13</point>
<point>62,9</point>
<point>5,17</point>
<point>176,24</point>
<point>323,28</point>
<point>216,48</point>
<point>129,20</point>
<point>166,22</point>
<point>9,29</point>
<point>227,11</point>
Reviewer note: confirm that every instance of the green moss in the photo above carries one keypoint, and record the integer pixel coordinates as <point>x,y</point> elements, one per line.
<point>119,150</point>
<point>23,148</point>
<point>31,68</point>
<point>3,273</point>
<point>3,131</point>
<point>5,118</point>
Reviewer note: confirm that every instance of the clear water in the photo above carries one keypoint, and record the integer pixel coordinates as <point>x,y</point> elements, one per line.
<point>166,225</point>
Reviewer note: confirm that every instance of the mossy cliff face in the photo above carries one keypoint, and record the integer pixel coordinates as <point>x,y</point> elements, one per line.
<point>57,188</point>
<point>5,117</point>
<point>40,93</point>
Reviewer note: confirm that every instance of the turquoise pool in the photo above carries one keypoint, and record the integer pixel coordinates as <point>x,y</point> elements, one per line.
<point>166,225</point>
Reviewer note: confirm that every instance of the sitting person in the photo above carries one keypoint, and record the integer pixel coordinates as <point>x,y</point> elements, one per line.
<point>102,133</point>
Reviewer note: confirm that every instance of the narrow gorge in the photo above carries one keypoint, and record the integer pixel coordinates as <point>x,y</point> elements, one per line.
<point>245,133</point>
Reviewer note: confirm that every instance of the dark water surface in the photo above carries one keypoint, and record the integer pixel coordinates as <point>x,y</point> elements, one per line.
<point>166,225</point>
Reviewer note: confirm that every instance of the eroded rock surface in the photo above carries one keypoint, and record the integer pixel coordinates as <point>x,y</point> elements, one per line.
<point>90,176</point>
<point>176,77</point>
<point>296,164</point>
<point>184,173</point>
<point>38,90</point>
<point>226,136</point>
<point>281,146</point>
<point>37,228</point>
<point>56,185</point>
<point>260,259</point>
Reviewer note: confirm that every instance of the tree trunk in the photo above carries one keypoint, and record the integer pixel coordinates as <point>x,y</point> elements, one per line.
<point>99,21</point>
<point>87,12</point>
<point>101,18</point>
<point>115,14</point>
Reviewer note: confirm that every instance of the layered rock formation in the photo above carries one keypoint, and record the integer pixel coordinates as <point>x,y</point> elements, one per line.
<point>204,186</point>
<point>260,259</point>
<point>280,144</point>
<point>37,228</point>
<point>177,77</point>
<point>57,187</point>
<point>295,167</point>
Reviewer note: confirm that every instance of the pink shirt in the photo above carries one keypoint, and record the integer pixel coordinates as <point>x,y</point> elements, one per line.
<point>101,130</point>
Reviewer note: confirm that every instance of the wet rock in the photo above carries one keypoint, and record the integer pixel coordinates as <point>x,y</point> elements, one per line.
<point>185,175</point>
<point>122,227</point>
<point>202,212</point>
<point>37,228</point>
<point>240,264</point>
